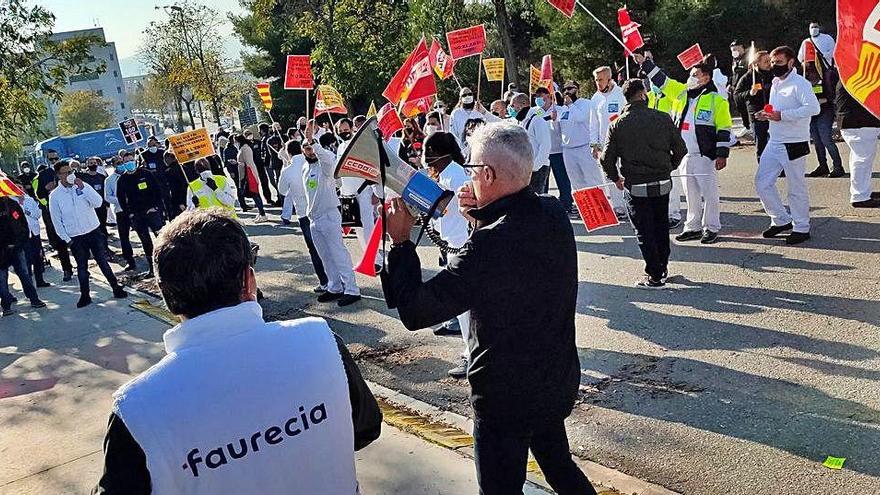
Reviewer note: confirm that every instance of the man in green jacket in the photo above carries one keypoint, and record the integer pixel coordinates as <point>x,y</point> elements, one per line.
<point>649,147</point>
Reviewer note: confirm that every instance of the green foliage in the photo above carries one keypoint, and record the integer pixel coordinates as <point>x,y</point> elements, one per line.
<point>83,111</point>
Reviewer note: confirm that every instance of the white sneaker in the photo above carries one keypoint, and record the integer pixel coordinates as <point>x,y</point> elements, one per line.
<point>261,219</point>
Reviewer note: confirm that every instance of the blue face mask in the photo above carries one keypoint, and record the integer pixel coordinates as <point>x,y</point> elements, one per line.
<point>539,102</point>
<point>511,112</point>
<point>128,167</point>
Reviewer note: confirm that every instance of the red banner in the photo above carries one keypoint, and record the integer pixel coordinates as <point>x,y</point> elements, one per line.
<point>564,6</point>
<point>466,42</point>
<point>298,74</point>
<point>858,51</point>
<point>415,107</point>
<point>388,120</point>
<point>691,57</point>
<point>629,30</point>
<point>809,51</point>
<point>595,209</point>
<point>442,64</point>
<point>414,79</point>
<point>547,71</point>
<point>329,100</point>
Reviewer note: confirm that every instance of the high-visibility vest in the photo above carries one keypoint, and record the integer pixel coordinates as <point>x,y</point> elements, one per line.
<point>206,196</point>
<point>43,201</point>
<point>661,102</point>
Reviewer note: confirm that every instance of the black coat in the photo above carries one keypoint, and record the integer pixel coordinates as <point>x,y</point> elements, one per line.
<point>754,103</point>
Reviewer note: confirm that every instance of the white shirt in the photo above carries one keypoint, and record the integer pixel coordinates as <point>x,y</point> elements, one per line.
<point>459,118</point>
<point>320,184</point>
<point>274,394</point>
<point>579,124</point>
<point>793,97</point>
<point>555,129</point>
<point>539,136</point>
<point>111,184</point>
<point>825,44</point>
<point>608,108</point>
<point>33,213</point>
<point>290,183</point>
<point>689,130</point>
<point>453,227</point>
<point>226,195</point>
<point>73,210</point>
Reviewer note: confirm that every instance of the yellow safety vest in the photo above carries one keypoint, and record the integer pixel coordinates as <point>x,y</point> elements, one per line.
<point>44,202</point>
<point>206,196</point>
<point>663,103</point>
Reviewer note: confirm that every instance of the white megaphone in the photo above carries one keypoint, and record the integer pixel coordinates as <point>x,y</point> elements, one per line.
<point>367,155</point>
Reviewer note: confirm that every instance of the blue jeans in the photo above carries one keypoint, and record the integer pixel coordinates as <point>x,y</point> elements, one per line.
<point>305,226</point>
<point>18,262</point>
<point>557,165</point>
<point>82,246</point>
<point>34,256</point>
<point>820,132</point>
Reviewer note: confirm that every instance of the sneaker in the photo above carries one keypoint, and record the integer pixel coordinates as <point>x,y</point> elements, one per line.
<point>285,221</point>
<point>875,195</point>
<point>67,276</point>
<point>459,371</point>
<point>8,311</point>
<point>868,203</point>
<point>650,283</point>
<point>319,289</point>
<point>820,171</point>
<point>84,301</point>
<point>709,237</point>
<point>119,293</point>
<point>446,330</point>
<point>837,173</point>
<point>797,238</point>
<point>621,215</point>
<point>36,304</point>
<point>42,284</point>
<point>348,299</point>
<point>674,223</point>
<point>774,231</point>
<point>147,275</point>
<point>689,236</point>
<point>329,297</point>
<point>261,219</point>
<point>132,266</point>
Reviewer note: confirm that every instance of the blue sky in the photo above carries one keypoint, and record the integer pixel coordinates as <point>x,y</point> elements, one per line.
<point>124,21</point>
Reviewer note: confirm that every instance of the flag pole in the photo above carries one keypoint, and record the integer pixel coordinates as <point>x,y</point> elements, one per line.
<point>479,77</point>
<point>306,113</point>
<point>751,61</point>
<point>618,40</point>
<point>502,84</point>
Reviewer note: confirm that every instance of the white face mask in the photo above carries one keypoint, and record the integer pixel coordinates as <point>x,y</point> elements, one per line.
<point>206,174</point>
<point>430,129</point>
<point>814,31</point>
<point>71,178</point>
<point>153,149</point>
<point>693,82</point>
<point>736,52</point>
<point>467,100</point>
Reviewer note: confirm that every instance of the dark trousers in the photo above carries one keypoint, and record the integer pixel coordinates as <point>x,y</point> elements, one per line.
<point>82,246</point>
<point>761,129</point>
<point>17,261</point>
<point>305,227</point>
<point>264,183</point>
<point>56,242</point>
<point>501,452</point>
<point>540,179</point>
<point>650,222</point>
<point>239,189</point>
<point>33,255</point>
<point>820,132</point>
<point>143,224</point>
<point>557,165</point>
<point>257,201</point>
<point>101,211</point>
<point>123,227</point>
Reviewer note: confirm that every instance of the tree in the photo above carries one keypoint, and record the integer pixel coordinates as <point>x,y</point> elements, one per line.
<point>83,111</point>
<point>33,67</point>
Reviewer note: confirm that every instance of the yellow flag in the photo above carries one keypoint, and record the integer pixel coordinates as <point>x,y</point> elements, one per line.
<point>494,69</point>
<point>372,111</point>
<point>534,79</point>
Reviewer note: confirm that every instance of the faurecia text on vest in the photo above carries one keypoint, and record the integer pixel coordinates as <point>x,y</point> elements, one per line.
<point>271,436</point>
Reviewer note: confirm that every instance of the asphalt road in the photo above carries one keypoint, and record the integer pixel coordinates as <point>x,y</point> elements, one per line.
<point>759,361</point>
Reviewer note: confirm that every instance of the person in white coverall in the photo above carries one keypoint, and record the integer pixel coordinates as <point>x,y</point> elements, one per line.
<point>531,119</point>
<point>468,108</point>
<point>579,124</point>
<point>322,209</point>
<point>609,101</point>
<point>861,131</point>
<point>353,186</point>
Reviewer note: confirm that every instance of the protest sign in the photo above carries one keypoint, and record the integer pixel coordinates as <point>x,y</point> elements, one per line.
<point>298,74</point>
<point>191,145</point>
<point>494,69</point>
<point>130,131</point>
<point>466,42</point>
<point>595,209</point>
<point>388,120</point>
<point>691,57</point>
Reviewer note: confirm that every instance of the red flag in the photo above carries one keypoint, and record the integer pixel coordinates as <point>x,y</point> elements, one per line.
<point>466,42</point>
<point>442,64</point>
<point>564,6</point>
<point>595,209</point>
<point>8,188</point>
<point>858,51</point>
<point>389,121</point>
<point>547,68</point>
<point>328,100</point>
<point>415,107</point>
<point>691,57</point>
<point>632,38</point>
<point>298,74</point>
<point>414,79</point>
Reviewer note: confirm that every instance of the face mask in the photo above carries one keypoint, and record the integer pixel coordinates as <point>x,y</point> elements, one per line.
<point>467,100</point>
<point>693,82</point>
<point>737,53</point>
<point>26,170</point>
<point>814,31</point>
<point>93,167</point>
<point>128,167</point>
<point>71,178</point>
<point>780,70</point>
<point>205,175</point>
<point>345,136</point>
<point>572,94</point>
<point>511,112</point>
<point>153,149</point>
<point>430,129</point>
<point>539,102</point>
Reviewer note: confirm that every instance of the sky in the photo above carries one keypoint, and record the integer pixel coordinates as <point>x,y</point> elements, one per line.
<point>125,20</point>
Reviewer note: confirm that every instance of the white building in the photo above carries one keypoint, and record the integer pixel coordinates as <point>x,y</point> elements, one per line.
<point>108,84</point>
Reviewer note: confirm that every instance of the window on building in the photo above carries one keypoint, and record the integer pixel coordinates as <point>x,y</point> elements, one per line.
<point>122,105</point>
<point>115,74</point>
<point>118,89</point>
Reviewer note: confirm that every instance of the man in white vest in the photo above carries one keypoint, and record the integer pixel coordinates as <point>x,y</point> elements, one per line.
<point>238,405</point>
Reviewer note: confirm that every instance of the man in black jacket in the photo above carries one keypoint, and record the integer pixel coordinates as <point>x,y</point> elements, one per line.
<point>14,236</point>
<point>649,147</point>
<point>517,275</point>
<point>860,130</point>
<point>141,199</point>
<point>753,89</point>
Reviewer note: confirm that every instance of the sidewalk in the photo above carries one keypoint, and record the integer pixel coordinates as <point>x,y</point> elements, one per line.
<point>60,365</point>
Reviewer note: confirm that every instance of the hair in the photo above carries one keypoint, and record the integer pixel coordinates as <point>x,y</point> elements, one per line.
<point>153,138</point>
<point>359,120</point>
<point>344,120</point>
<point>508,148</point>
<point>758,55</point>
<point>444,143</point>
<point>214,242</point>
<point>434,115</point>
<point>710,60</point>
<point>264,127</point>
<point>59,164</point>
<point>294,147</point>
<point>783,50</point>
<point>414,122</point>
<point>96,158</point>
<point>541,90</point>
<point>704,68</point>
<point>240,140</point>
<point>50,150</point>
<point>599,70</point>
<point>327,139</point>
<point>521,98</point>
<point>571,83</point>
<point>127,153</point>
<point>632,87</point>
<point>203,164</point>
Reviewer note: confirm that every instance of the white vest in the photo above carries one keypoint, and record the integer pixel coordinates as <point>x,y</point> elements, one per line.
<point>243,406</point>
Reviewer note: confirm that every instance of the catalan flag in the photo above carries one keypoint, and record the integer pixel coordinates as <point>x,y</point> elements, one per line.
<point>265,95</point>
<point>8,188</point>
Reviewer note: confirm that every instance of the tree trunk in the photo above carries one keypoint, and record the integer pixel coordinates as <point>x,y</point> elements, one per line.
<point>510,61</point>
<point>215,108</point>
<point>178,106</point>
<point>192,121</point>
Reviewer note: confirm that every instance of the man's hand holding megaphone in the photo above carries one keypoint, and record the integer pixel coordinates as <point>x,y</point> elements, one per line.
<point>399,221</point>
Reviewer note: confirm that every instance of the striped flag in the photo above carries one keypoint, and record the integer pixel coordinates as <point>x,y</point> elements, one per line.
<point>265,95</point>
<point>8,188</point>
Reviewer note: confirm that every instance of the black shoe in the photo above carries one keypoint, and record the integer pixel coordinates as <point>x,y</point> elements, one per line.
<point>42,284</point>
<point>837,173</point>
<point>875,195</point>
<point>650,283</point>
<point>709,237</point>
<point>674,223</point>
<point>819,172</point>
<point>459,371</point>
<point>67,276</point>
<point>774,231</point>
<point>148,275</point>
<point>319,289</point>
<point>797,237</point>
<point>119,293</point>
<point>8,311</point>
<point>38,304</point>
<point>132,266</point>
<point>285,221</point>
<point>329,296</point>
<point>84,301</point>
<point>868,203</point>
<point>347,299</point>
<point>689,236</point>
<point>445,330</point>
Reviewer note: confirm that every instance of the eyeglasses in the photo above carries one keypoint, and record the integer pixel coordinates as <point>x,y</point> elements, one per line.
<point>468,168</point>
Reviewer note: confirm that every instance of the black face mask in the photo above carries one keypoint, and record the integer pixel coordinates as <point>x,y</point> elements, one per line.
<point>780,70</point>
<point>93,167</point>
<point>345,136</point>
<point>311,160</point>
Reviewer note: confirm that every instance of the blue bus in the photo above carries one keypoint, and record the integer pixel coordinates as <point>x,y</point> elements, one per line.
<point>103,143</point>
